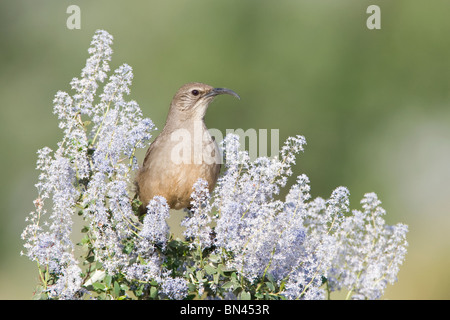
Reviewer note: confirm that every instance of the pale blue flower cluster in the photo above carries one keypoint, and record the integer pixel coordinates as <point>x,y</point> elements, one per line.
<point>174,288</point>
<point>309,247</point>
<point>90,174</point>
<point>298,241</point>
<point>197,224</point>
<point>369,253</point>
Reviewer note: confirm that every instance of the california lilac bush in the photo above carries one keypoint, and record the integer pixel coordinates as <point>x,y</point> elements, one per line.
<point>243,241</point>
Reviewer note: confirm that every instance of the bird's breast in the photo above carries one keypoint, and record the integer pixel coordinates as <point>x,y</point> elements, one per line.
<point>175,162</point>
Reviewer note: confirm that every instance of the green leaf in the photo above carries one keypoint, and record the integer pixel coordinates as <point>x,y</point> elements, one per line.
<point>199,275</point>
<point>128,247</point>
<point>153,292</point>
<point>116,289</point>
<point>214,258</point>
<point>154,283</point>
<point>245,295</point>
<point>107,280</point>
<point>98,286</point>
<point>216,278</point>
<point>210,269</point>
<point>102,296</point>
<point>40,294</point>
<point>223,269</point>
<point>228,285</point>
<point>270,278</point>
<point>259,295</point>
<point>282,285</point>
<point>138,291</point>
<point>85,240</point>
<point>270,286</point>
<point>192,287</point>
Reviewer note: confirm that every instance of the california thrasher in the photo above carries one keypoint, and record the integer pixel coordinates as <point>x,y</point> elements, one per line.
<point>183,152</point>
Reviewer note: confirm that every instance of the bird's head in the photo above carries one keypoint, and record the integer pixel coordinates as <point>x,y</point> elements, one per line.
<point>192,100</point>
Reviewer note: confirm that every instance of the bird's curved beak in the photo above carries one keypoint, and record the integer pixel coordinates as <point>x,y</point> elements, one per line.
<point>217,91</point>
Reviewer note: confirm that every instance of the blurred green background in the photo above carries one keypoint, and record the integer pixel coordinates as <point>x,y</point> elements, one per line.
<point>374,105</point>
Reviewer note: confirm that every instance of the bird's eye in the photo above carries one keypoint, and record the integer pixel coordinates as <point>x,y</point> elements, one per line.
<point>195,92</point>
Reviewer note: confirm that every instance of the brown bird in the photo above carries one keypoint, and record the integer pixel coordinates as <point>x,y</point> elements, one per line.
<point>183,152</point>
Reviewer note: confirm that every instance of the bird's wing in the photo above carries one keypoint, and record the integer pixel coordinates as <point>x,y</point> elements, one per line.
<point>149,150</point>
